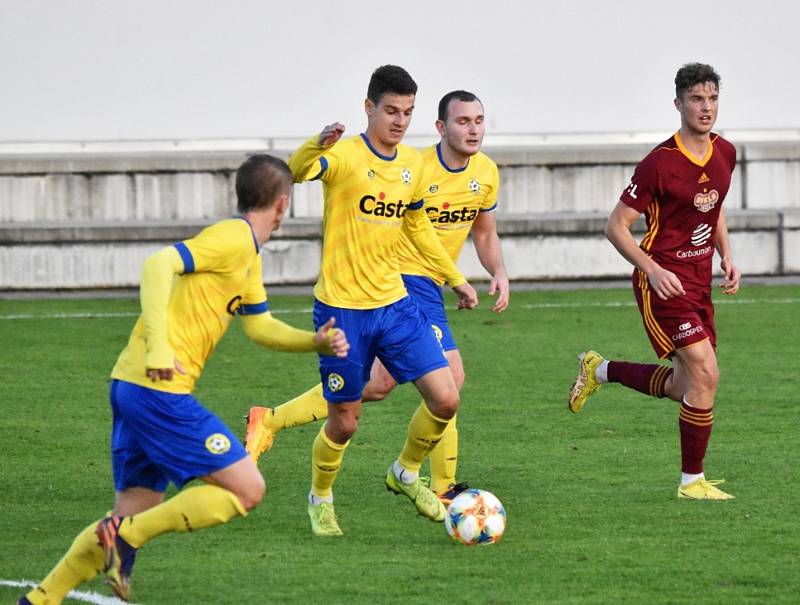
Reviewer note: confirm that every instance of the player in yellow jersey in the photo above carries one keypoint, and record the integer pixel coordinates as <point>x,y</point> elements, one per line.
<point>460,198</point>
<point>373,192</point>
<point>161,434</point>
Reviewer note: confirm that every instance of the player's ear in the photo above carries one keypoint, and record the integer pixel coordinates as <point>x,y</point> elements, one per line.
<point>677,103</point>
<point>369,107</point>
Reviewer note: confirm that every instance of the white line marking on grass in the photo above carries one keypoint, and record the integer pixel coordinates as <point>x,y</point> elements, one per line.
<point>544,305</point>
<point>77,595</point>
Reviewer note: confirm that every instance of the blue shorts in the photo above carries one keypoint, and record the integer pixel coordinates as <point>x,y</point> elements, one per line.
<point>397,334</point>
<point>159,437</point>
<point>430,300</point>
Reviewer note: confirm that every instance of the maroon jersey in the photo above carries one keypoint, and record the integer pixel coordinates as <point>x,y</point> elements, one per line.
<point>681,198</point>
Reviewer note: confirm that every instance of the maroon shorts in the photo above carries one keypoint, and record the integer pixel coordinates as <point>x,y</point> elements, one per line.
<point>677,322</point>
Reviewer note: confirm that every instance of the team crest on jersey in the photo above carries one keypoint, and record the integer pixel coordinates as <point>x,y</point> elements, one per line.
<point>218,443</point>
<point>706,201</point>
<point>371,175</point>
<point>405,174</point>
<point>433,188</point>
<point>474,186</point>
<point>335,382</point>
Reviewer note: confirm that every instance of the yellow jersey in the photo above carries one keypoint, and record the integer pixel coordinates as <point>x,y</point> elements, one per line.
<point>369,199</point>
<point>221,276</point>
<point>453,200</point>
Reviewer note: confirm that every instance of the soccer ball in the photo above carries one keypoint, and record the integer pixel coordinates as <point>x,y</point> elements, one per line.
<point>475,516</point>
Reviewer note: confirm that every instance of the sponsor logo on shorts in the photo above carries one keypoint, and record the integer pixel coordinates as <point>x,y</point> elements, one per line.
<point>335,382</point>
<point>685,326</point>
<point>706,201</point>
<point>218,443</point>
<point>693,253</point>
<point>686,333</point>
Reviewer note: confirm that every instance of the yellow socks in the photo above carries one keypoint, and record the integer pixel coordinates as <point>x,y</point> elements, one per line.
<point>424,432</point>
<point>326,459</point>
<point>444,459</point>
<point>189,510</point>
<point>82,562</point>
<point>305,408</point>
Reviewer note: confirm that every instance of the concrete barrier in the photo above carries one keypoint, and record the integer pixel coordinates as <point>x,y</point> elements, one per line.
<point>85,215</point>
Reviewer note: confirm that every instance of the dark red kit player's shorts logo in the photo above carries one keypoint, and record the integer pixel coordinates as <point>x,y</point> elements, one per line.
<point>706,201</point>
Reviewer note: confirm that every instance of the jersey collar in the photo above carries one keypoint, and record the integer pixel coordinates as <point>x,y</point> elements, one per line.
<point>692,158</point>
<point>444,164</point>
<point>387,158</point>
<point>253,233</point>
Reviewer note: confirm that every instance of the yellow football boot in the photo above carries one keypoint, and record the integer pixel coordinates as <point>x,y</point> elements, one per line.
<point>258,438</point>
<point>586,382</point>
<point>703,489</point>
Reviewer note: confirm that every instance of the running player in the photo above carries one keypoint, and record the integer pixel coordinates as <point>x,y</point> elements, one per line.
<point>460,198</point>
<point>161,434</point>
<point>680,187</point>
<point>373,191</point>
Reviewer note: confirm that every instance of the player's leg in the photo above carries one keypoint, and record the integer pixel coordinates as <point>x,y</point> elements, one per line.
<point>343,381</point>
<point>444,456</point>
<point>661,320</point>
<point>696,367</point>
<point>410,350</point>
<point>263,423</point>
<point>380,384</point>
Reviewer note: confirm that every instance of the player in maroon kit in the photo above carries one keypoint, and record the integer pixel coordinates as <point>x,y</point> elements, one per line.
<point>679,186</point>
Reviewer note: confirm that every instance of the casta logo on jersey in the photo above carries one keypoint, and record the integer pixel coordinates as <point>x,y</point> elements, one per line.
<point>445,215</point>
<point>706,201</point>
<point>369,204</point>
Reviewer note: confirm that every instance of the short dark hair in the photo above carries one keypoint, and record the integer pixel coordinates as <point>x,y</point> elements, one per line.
<point>455,95</point>
<point>390,79</point>
<point>694,73</point>
<point>260,181</point>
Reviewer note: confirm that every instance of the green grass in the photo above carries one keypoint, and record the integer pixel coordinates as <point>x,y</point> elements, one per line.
<point>591,502</point>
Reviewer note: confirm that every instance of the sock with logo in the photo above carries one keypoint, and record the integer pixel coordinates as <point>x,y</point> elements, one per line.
<point>695,429</point>
<point>647,378</point>
<point>189,510</point>
<point>326,460</point>
<point>424,432</point>
<point>444,459</point>
<point>82,562</point>
<point>303,409</point>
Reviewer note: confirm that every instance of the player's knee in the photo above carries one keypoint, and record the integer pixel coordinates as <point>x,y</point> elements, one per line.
<point>251,492</point>
<point>342,427</point>
<point>446,405</point>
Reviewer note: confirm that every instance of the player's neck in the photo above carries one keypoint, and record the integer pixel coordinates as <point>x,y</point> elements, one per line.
<point>695,142</point>
<point>452,158</point>
<point>262,224</point>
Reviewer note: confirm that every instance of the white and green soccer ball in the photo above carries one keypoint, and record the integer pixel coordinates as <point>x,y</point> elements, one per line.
<point>475,516</point>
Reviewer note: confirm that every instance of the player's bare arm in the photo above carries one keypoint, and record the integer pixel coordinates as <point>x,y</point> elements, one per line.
<point>665,283</point>
<point>721,243</point>
<point>330,134</point>
<point>490,254</point>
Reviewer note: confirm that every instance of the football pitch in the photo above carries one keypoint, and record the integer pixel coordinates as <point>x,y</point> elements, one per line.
<point>592,512</point>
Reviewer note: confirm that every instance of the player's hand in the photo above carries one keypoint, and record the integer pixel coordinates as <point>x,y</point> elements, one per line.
<point>732,277</point>
<point>330,134</point>
<point>467,297</point>
<point>499,285</point>
<point>665,283</point>
<point>156,374</point>
<point>330,340</point>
